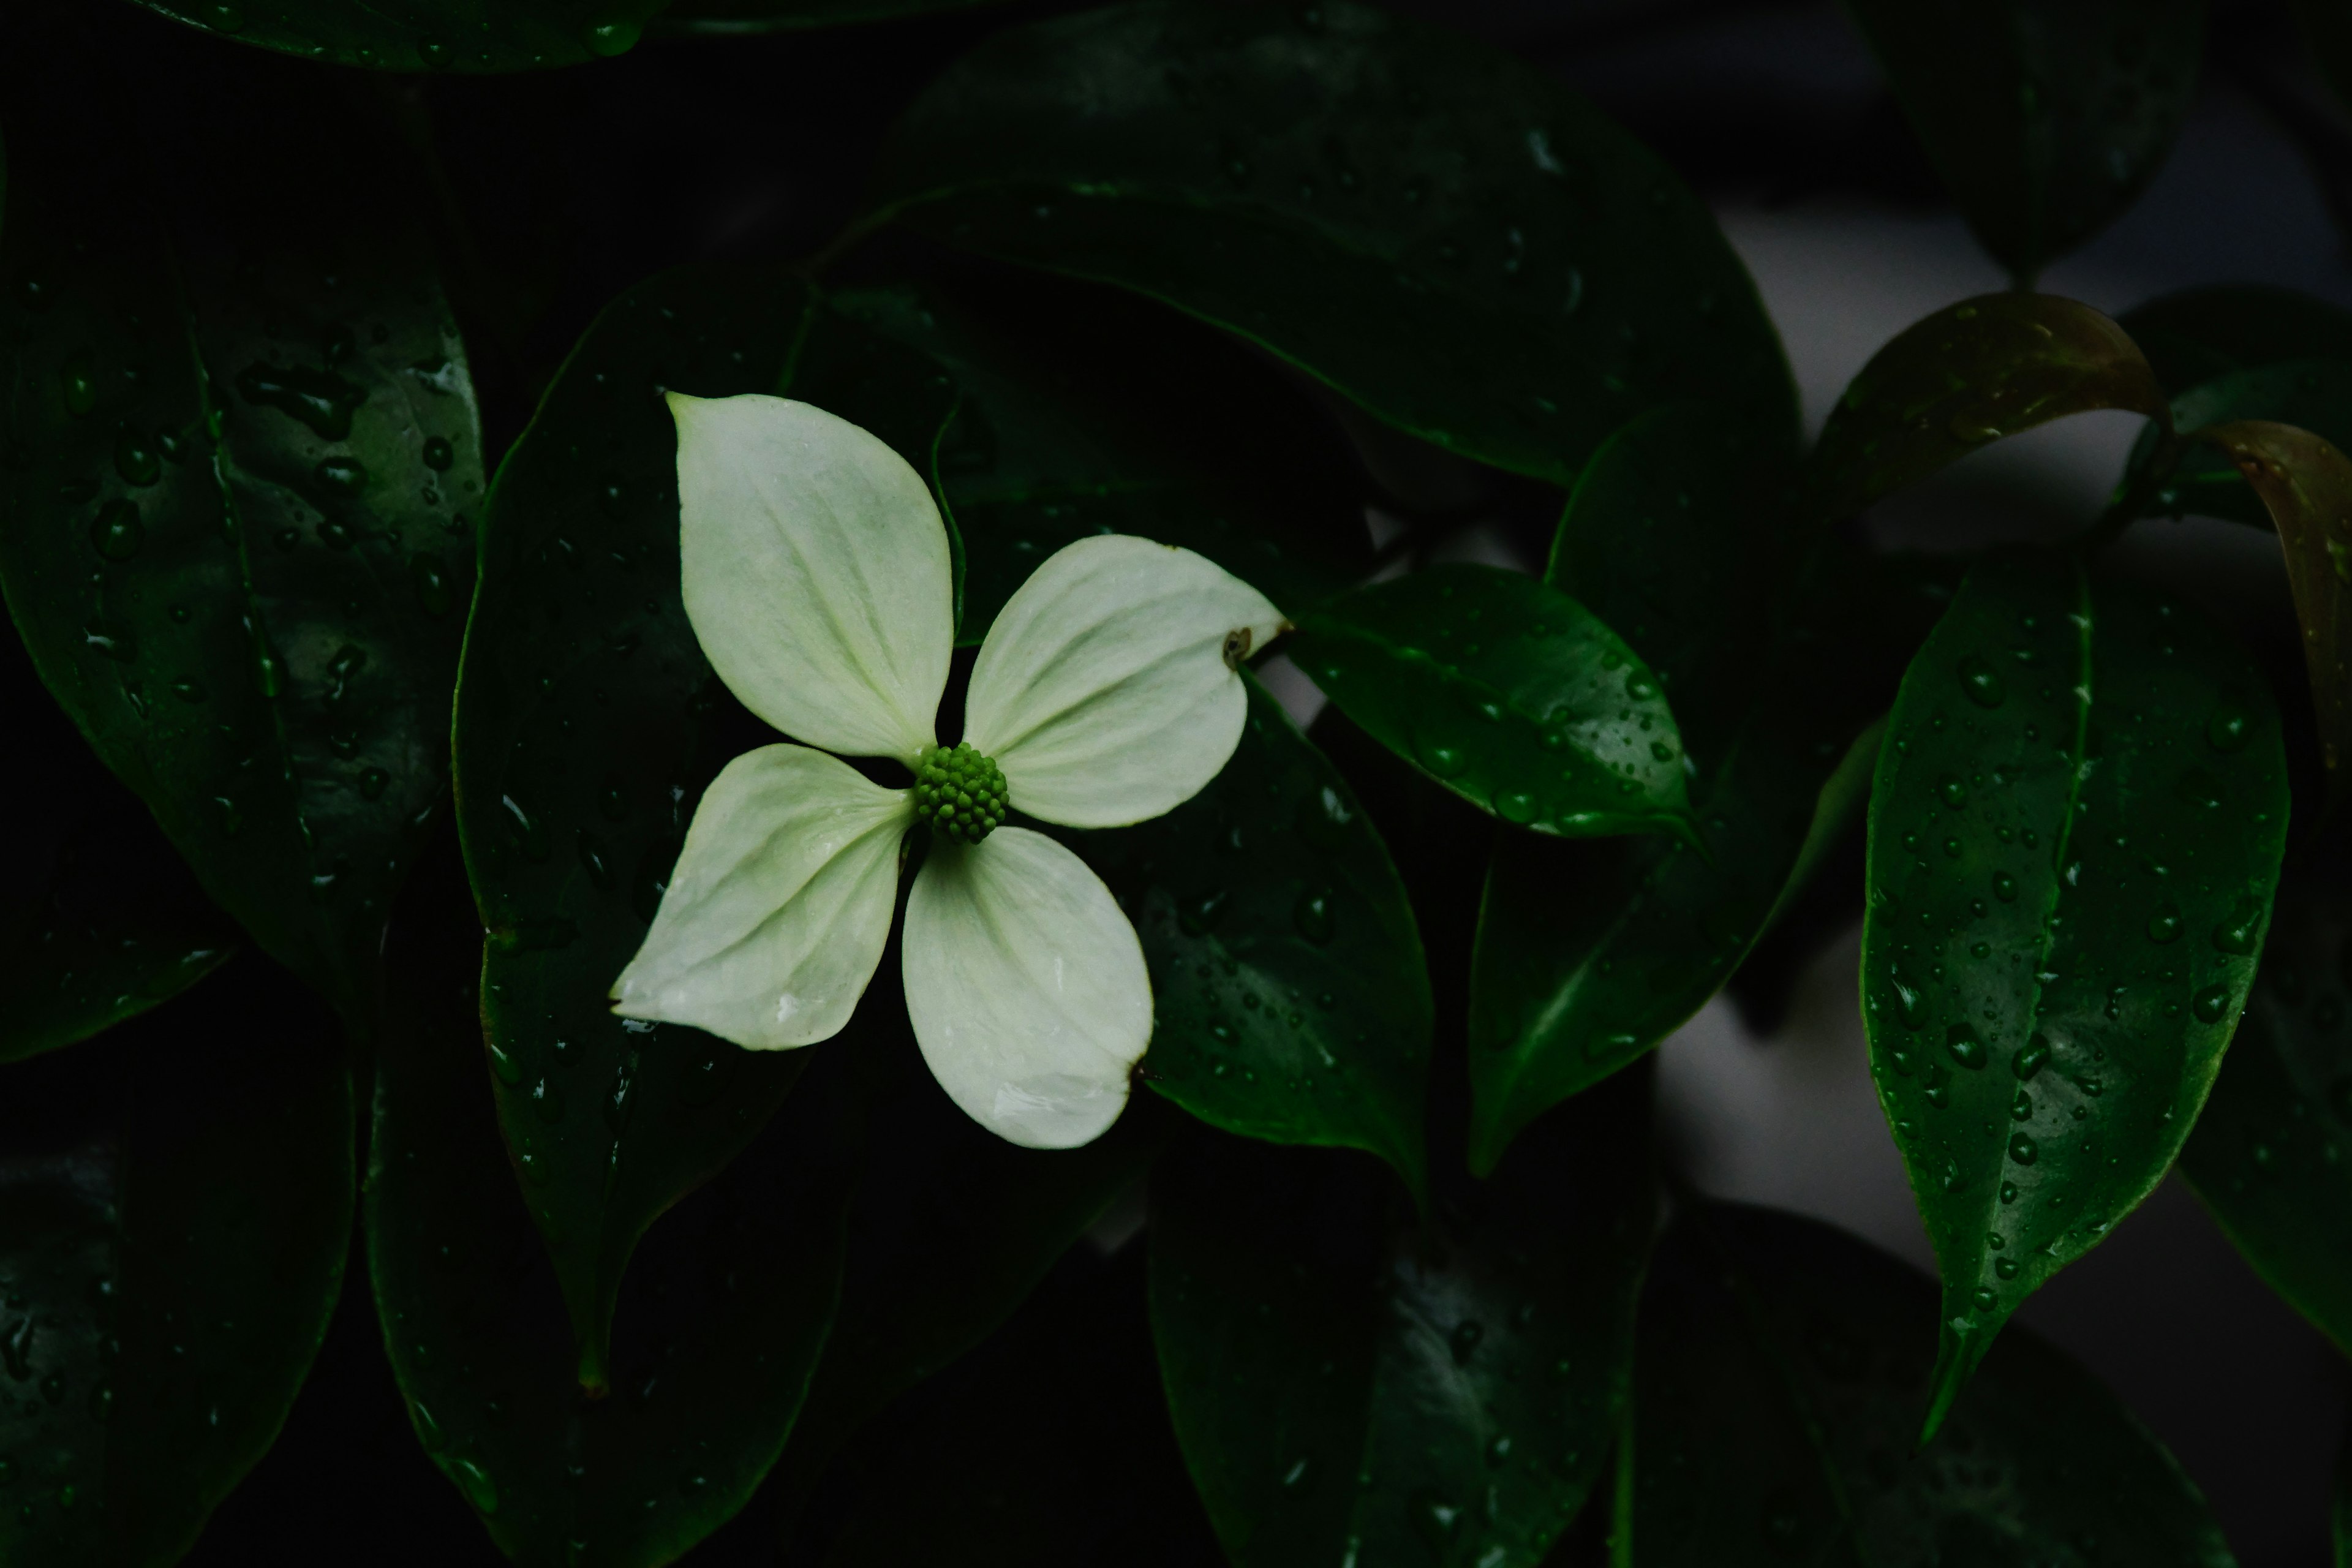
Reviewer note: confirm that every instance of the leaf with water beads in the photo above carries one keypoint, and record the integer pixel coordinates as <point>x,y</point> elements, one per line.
<point>1510,694</point>
<point>175,1210</point>
<point>2077,779</point>
<point>425,34</point>
<point>265,656</point>
<point>1963,378</point>
<point>1344,1377</point>
<point>2046,118</point>
<point>1448,237</point>
<point>1780,1364</point>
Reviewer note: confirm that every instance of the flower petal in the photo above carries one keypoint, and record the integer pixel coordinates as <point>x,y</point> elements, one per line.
<point>1026,987</point>
<point>1107,690</point>
<point>816,573</point>
<point>780,906</point>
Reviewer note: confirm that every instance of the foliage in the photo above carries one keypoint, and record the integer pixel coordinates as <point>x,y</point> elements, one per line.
<point>349,679</point>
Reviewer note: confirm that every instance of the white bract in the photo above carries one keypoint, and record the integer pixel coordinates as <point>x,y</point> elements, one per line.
<point>818,580</point>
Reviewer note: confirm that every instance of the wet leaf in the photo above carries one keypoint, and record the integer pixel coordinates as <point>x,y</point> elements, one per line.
<point>1780,1367</point>
<point>2046,118</point>
<point>1965,377</point>
<point>2204,482</point>
<point>101,920</point>
<point>2201,335</point>
<point>1510,694</point>
<point>2306,485</point>
<point>239,539</point>
<point>1343,1378</point>
<point>1450,238</point>
<point>2267,1153</point>
<point>721,1326</point>
<point>721,18</point>
<point>175,1207</point>
<point>2075,833</point>
<point>425,34</point>
<point>1290,997</point>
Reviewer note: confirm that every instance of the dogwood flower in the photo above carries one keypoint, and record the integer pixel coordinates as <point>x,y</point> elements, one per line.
<point>818,581</point>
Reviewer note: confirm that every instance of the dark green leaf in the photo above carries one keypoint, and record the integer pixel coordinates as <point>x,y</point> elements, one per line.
<point>2199,335</point>
<point>1508,692</point>
<point>1780,1368</point>
<point>1344,1379</point>
<point>951,1229</point>
<point>1051,1449</point>
<point>1291,999</point>
<point>2075,834</point>
<point>2266,1155</point>
<point>426,35</point>
<point>175,1207</point>
<point>2046,117</point>
<point>242,454</point>
<point>2312,394</point>
<point>721,1326</point>
<point>1590,953</point>
<point>1967,376</point>
<point>2306,484</point>
<point>1451,239</point>
<point>723,17</point>
<point>100,921</point>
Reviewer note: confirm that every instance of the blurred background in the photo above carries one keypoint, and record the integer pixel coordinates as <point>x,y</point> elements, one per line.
<point>577,184</point>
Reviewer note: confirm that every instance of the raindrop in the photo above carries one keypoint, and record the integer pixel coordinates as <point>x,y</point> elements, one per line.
<point>609,39</point>
<point>135,460</point>
<point>440,455</point>
<point>2023,1149</point>
<point>1436,1518</point>
<point>1312,915</point>
<point>2227,728</point>
<point>1445,762</point>
<point>1954,792</point>
<point>1299,1480</point>
<point>547,1101</point>
<point>2241,931</point>
<point>345,476</point>
<point>1983,682</point>
<point>78,380</point>
<point>530,834</point>
<point>1966,1048</point>
<point>2004,887</point>
<point>2211,1004</point>
<point>593,861</point>
<point>475,1482</point>
<point>116,531</point>
<point>432,587</point>
<point>2164,925</point>
<point>372,782</point>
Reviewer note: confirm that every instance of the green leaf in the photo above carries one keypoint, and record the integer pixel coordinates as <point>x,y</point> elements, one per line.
<point>2075,834</point>
<point>952,1228</point>
<point>1043,443</point>
<point>2306,484</point>
<point>1780,1367</point>
<point>721,1327</point>
<point>2265,1155</point>
<point>101,920</point>
<point>173,1229</point>
<point>1343,1378</point>
<point>1290,997</point>
<point>242,453</point>
<point>463,36</point>
<point>2046,118</point>
<point>1967,376</point>
<point>1448,237</point>
<point>1590,954</point>
<point>2199,335</point>
<point>1050,1450</point>
<point>589,721</point>
<point>1510,694</point>
<point>2312,394</point>
<point>710,18</point>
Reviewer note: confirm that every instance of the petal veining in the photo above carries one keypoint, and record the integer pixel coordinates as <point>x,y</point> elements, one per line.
<point>1026,987</point>
<point>1106,687</point>
<point>777,913</point>
<point>815,571</point>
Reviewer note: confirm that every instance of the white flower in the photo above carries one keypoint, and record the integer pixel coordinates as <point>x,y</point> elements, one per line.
<point>818,581</point>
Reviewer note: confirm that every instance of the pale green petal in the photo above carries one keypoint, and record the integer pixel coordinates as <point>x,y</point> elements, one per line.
<point>777,912</point>
<point>816,573</point>
<point>1026,987</point>
<point>1107,690</point>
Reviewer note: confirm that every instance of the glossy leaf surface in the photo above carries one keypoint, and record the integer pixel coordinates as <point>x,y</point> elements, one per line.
<point>725,17</point>
<point>2201,334</point>
<point>176,1207</point>
<point>2312,396</point>
<point>1343,1379</point>
<point>2046,118</point>
<point>1965,377</point>
<point>719,1327</point>
<point>2267,1153</point>
<point>951,1229</point>
<point>1780,1370</point>
<point>2075,833</point>
<point>1450,238</point>
<point>1051,1447</point>
<point>1590,953</point>
<point>1510,694</point>
<point>426,34</point>
<point>238,509</point>
<point>98,917</point>
<point>1290,997</point>
<point>2306,484</point>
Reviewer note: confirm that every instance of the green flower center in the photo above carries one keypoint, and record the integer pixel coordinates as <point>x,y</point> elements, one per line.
<point>958,792</point>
